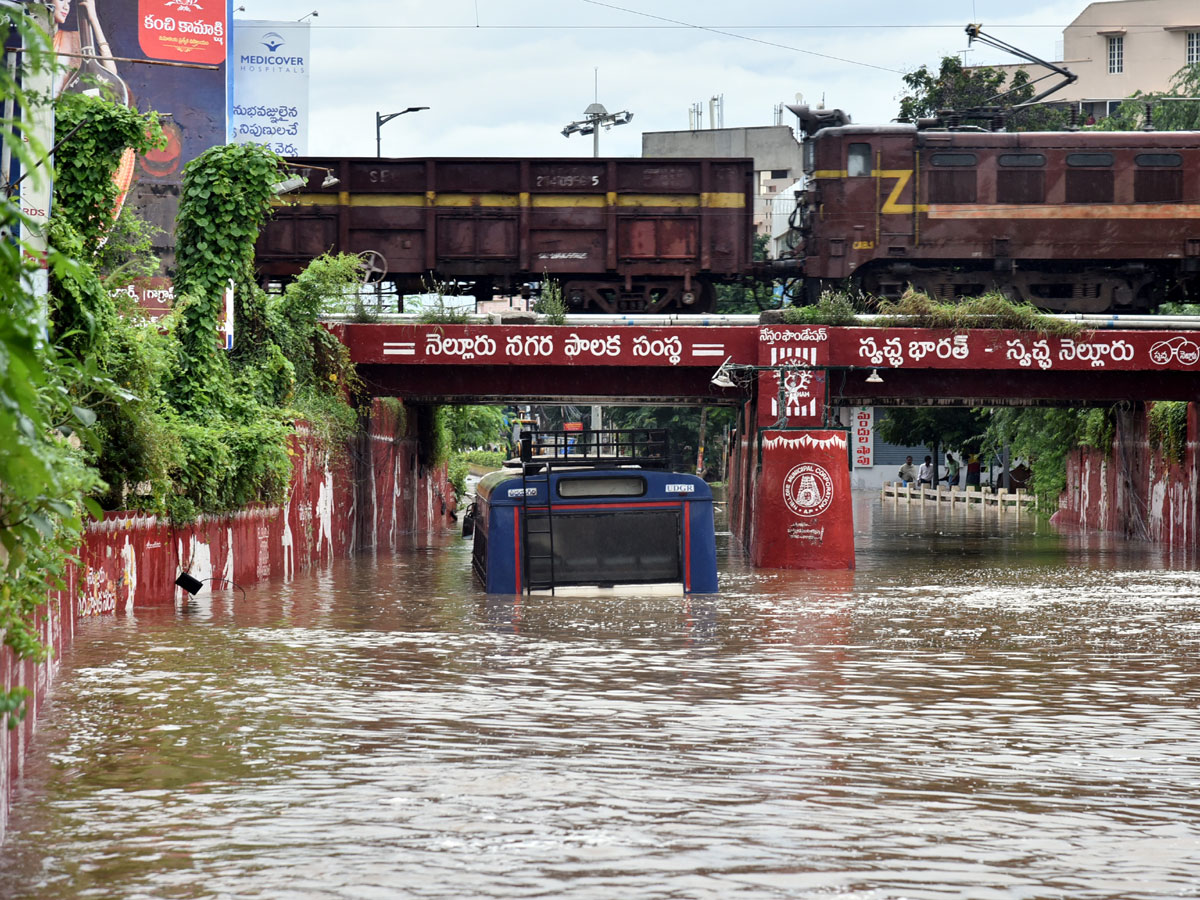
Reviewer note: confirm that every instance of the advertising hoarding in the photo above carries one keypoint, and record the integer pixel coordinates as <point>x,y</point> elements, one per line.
<point>163,55</point>
<point>269,68</point>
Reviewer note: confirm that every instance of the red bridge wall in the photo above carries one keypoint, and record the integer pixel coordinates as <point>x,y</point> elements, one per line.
<point>1132,490</point>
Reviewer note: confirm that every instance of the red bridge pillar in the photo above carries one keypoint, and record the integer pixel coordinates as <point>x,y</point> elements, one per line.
<point>802,516</point>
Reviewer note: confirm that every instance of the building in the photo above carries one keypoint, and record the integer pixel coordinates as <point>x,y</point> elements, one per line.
<point>778,163</point>
<point>1121,47</point>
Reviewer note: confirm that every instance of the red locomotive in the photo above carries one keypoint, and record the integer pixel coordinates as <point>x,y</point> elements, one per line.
<point>1075,221</point>
<point>618,235</point>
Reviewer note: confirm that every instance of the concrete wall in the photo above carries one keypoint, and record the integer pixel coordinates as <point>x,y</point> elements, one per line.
<point>1132,490</point>
<point>770,146</point>
<point>370,496</point>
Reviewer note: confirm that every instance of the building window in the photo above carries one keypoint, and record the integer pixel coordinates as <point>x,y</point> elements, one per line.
<point>1116,54</point>
<point>1193,47</point>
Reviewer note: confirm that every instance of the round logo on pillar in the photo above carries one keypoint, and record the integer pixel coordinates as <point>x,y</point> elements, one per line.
<point>808,490</point>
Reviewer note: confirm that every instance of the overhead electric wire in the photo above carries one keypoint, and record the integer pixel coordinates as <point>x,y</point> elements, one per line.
<point>744,37</point>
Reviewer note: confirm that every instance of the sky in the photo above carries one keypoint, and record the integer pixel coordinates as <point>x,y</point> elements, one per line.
<point>503,77</point>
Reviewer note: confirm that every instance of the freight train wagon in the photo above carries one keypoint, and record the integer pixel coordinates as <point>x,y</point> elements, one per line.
<point>617,235</point>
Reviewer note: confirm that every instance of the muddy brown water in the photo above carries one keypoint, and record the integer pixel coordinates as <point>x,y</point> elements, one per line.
<point>984,709</point>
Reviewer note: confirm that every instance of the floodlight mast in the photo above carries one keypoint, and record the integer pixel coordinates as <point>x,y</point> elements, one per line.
<point>594,118</point>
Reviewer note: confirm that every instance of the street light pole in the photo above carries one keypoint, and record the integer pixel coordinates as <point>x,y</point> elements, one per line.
<point>381,120</point>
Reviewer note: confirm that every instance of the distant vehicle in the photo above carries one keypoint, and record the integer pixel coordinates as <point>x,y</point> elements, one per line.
<point>593,516</point>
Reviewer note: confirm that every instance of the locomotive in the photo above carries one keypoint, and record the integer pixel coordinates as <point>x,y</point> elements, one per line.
<point>1073,221</point>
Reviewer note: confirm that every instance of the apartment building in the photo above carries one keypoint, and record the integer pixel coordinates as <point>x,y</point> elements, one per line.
<point>1123,46</point>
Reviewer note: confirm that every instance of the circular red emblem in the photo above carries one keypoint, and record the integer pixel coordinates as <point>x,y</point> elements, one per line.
<point>808,490</point>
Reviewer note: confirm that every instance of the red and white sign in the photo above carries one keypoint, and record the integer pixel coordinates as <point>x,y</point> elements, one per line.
<point>791,397</point>
<point>538,345</point>
<point>192,31</point>
<point>862,436</point>
<point>802,506</point>
<point>1089,351</point>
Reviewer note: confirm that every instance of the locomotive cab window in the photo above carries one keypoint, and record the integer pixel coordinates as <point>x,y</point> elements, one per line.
<point>858,160</point>
<point>1158,178</point>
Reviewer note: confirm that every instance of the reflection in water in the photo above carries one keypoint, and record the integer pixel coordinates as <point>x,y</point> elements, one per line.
<point>983,709</point>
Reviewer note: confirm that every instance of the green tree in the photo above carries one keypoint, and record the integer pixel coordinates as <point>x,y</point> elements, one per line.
<point>954,87</point>
<point>1170,110</point>
<point>955,428</point>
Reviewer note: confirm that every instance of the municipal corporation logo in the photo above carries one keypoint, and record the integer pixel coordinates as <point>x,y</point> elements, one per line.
<point>272,41</point>
<point>808,490</point>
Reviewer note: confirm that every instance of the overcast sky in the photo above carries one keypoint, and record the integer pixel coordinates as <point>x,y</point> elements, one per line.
<point>502,77</point>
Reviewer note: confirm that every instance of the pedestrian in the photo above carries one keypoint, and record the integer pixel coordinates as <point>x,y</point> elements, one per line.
<point>925,473</point>
<point>952,468</point>
<point>907,473</point>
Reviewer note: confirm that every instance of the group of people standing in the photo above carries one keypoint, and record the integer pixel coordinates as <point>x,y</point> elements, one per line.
<point>923,475</point>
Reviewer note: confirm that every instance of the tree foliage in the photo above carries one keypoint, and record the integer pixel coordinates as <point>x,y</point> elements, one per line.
<point>226,198</point>
<point>43,476</point>
<point>955,428</point>
<point>955,87</point>
<point>1169,111</point>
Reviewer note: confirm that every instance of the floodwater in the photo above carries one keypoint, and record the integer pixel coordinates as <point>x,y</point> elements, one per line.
<point>984,709</point>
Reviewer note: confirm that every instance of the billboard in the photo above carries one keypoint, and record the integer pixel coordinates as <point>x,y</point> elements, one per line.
<point>164,55</point>
<point>269,68</point>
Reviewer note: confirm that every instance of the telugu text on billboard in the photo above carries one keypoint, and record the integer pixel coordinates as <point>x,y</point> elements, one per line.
<point>270,85</point>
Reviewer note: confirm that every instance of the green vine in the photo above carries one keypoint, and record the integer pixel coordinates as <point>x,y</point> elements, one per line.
<point>44,478</point>
<point>226,198</point>
<point>98,134</point>
<point>1167,430</point>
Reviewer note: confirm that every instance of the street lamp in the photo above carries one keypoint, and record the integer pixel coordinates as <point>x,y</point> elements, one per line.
<point>594,118</point>
<point>381,120</point>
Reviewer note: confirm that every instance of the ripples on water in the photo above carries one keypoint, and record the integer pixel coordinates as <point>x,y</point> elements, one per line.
<point>982,710</point>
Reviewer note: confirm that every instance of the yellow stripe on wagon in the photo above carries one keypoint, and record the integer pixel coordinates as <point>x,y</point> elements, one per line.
<point>1145,211</point>
<point>513,201</point>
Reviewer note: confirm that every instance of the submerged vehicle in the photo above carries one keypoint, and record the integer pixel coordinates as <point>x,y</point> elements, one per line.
<point>590,513</point>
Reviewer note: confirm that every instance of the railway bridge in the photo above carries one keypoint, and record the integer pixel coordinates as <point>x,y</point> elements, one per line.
<point>789,467</point>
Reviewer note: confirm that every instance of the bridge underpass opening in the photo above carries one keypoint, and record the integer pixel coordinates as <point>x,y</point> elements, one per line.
<point>789,464</point>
